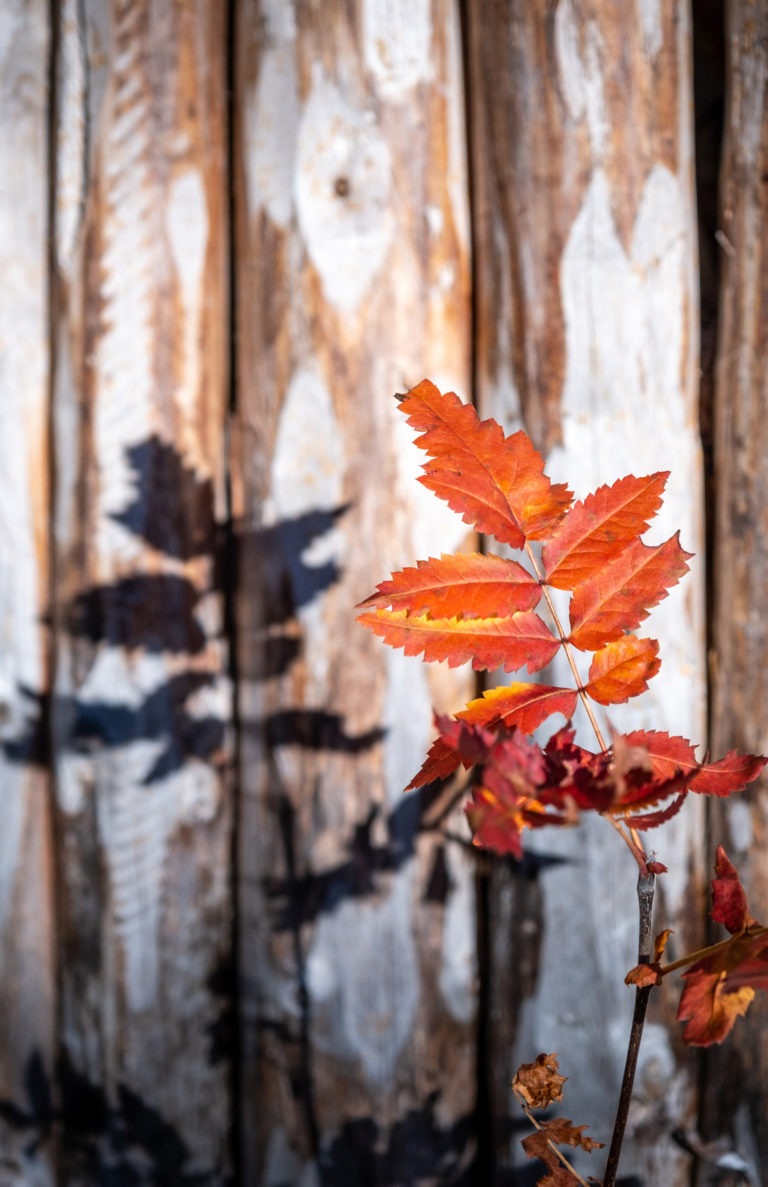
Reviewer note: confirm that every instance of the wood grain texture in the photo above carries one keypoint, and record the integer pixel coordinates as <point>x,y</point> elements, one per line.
<point>738,1075</point>
<point>357,922</point>
<point>141,698</point>
<point>26,905</point>
<point>587,336</point>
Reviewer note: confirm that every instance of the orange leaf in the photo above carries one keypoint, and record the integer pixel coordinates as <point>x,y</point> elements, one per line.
<point>597,528</point>
<point>643,975</point>
<point>520,704</point>
<point>622,669</point>
<point>467,585</point>
<point>494,482</point>
<point>618,598</point>
<point>508,643</point>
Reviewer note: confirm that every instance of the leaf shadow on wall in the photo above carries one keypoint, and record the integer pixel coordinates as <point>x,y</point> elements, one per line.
<point>159,613</point>
<point>100,1141</point>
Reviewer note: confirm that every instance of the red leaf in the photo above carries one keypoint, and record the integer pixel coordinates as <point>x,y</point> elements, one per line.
<point>720,986</point>
<point>728,774</point>
<point>520,704</point>
<point>729,900</point>
<point>654,819</point>
<point>722,778</point>
<point>709,1007</point>
<point>619,597</point>
<point>507,643</point>
<point>622,669</point>
<point>597,529</point>
<point>469,585</point>
<point>494,482</point>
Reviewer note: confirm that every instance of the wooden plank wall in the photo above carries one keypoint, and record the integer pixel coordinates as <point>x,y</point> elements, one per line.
<point>740,633</point>
<point>587,336</point>
<point>352,282</point>
<point>140,709</point>
<point>26,875</point>
<point>230,950</point>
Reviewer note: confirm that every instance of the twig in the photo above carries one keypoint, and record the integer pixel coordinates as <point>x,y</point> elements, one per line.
<point>564,643</point>
<point>632,841</point>
<point>645,888</point>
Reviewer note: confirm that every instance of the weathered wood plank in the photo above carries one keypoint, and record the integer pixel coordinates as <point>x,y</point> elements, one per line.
<point>357,937</point>
<point>587,336</point>
<point>738,1074</point>
<point>141,695</point>
<point>27,1007</point>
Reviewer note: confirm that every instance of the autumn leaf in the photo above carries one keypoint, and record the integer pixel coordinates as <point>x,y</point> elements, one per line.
<point>522,786</point>
<point>722,778</point>
<point>561,1132</point>
<point>469,585</point>
<point>509,643</point>
<point>538,1084</point>
<point>619,596</point>
<point>709,1007</point>
<point>729,900</point>
<point>720,986</point>
<point>598,528</point>
<point>649,973</point>
<point>520,704</point>
<point>728,774</point>
<point>622,669</point>
<point>495,483</point>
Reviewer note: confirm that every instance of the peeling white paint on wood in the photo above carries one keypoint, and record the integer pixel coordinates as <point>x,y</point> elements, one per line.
<point>271,119</point>
<point>408,736</point>
<point>343,186</point>
<point>362,973</point>
<point>624,410</point>
<point>458,972</point>
<point>579,53</point>
<point>187,231</point>
<point>71,132</point>
<point>397,36</point>
<point>650,18</point>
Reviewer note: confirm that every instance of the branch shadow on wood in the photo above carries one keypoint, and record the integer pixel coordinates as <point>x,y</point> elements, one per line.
<point>102,1140</point>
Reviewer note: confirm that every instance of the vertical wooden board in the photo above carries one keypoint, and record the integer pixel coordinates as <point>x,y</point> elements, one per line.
<point>736,1077</point>
<point>141,691</point>
<point>357,923</point>
<point>587,336</point>
<point>26,925</point>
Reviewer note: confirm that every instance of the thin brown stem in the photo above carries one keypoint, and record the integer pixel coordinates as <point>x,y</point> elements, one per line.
<point>566,648</point>
<point>632,838</point>
<point>708,951</point>
<point>552,1145</point>
<point>645,888</point>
